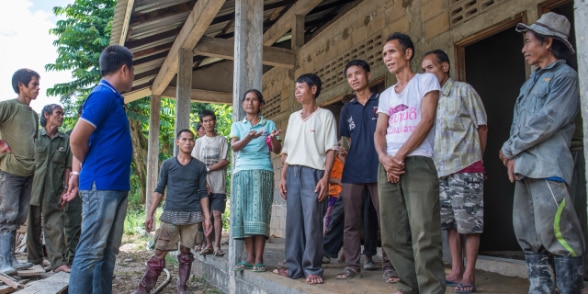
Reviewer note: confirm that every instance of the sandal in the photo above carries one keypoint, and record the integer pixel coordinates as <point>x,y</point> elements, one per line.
<point>465,288</point>
<point>391,276</point>
<point>348,273</point>
<point>314,279</point>
<point>259,267</point>
<point>206,251</point>
<point>242,265</point>
<point>219,253</point>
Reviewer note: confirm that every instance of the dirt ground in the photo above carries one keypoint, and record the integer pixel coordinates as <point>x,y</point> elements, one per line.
<point>130,266</point>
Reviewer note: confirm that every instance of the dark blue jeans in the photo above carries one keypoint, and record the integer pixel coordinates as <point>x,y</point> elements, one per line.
<point>103,216</point>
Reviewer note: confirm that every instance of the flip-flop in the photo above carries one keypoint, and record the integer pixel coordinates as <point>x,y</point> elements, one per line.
<point>259,267</point>
<point>465,288</point>
<point>348,273</point>
<point>219,253</point>
<point>206,251</point>
<point>451,283</point>
<point>242,265</point>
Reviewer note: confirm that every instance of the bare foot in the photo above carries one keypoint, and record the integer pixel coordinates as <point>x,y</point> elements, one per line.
<point>62,268</point>
<point>314,279</point>
<point>281,272</point>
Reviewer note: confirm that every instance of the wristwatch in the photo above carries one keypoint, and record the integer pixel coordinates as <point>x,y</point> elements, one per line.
<point>207,170</point>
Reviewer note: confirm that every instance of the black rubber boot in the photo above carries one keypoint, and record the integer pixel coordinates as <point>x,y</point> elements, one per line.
<point>5,256</point>
<point>569,272</point>
<point>541,277</point>
<point>15,264</point>
<point>154,268</point>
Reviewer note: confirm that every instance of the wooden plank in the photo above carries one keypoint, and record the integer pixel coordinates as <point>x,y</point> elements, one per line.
<point>194,28</point>
<point>57,283</point>
<point>199,95</point>
<point>5,289</point>
<point>36,270</point>
<point>225,49</point>
<point>285,23</point>
<point>10,281</point>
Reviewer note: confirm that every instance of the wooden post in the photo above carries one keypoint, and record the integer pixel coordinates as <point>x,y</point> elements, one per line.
<point>247,74</point>
<point>580,19</point>
<point>152,150</point>
<point>183,91</point>
<point>298,32</point>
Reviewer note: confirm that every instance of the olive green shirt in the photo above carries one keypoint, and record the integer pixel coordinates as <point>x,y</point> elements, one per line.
<point>19,125</point>
<point>52,158</point>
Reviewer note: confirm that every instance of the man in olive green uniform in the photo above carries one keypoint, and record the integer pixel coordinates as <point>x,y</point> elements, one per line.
<point>73,220</point>
<point>18,130</point>
<point>52,167</point>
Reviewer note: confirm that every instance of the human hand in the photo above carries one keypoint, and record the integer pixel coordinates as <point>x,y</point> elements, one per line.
<point>322,188</point>
<point>149,223</point>
<point>207,227</point>
<point>4,148</point>
<point>282,188</point>
<point>503,158</point>
<point>510,166</point>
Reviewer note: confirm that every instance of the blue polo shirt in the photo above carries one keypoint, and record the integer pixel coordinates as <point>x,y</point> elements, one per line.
<point>108,162</point>
<point>358,122</point>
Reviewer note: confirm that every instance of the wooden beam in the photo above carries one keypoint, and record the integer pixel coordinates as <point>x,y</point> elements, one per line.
<point>284,24</point>
<point>137,94</point>
<point>126,22</point>
<point>225,48</point>
<point>199,95</point>
<point>169,11</point>
<point>194,28</point>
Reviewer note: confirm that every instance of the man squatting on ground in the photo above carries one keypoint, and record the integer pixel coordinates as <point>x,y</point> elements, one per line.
<point>185,208</point>
<point>18,130</point>
<point>460,139</point>
<point>52,167</point>
<point>538,159</point>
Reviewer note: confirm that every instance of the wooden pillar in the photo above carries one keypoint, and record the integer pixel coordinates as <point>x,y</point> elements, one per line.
<point>581,19</point>
<point>247,74</point>
<point>298,32</point>
<point>183,91</point>
<point>152,150</point>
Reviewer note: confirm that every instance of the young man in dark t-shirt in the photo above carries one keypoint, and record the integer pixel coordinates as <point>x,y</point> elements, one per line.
<point>186,206</point>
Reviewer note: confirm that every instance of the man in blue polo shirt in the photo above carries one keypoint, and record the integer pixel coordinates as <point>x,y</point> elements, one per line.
<point>101,143</point>
<point>357,125</point>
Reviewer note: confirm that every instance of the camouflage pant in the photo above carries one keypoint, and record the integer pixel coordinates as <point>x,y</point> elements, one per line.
<point>462,202</point>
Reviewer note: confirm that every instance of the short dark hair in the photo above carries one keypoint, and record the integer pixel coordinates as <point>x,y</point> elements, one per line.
<point>558,48</point>
<point>23,76</point>
<point>206,113</point>
<point>113,57</point>
<point>198,125</point>
<point>357,62</point>
<point>440,55</point>
<point>404,41</point>
<point>48,109</point>
<point>311,80</point>
<point>180,132</point>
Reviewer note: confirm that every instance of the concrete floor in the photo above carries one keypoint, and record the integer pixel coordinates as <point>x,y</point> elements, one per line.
<point>371,281</point>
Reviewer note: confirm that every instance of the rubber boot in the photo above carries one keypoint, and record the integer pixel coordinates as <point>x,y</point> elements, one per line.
<point>569,272</point>
<point>5,257</point>
<point>184,268</point>
<point>15,264</point>
<point>154,268</point>
<point>541,277</point>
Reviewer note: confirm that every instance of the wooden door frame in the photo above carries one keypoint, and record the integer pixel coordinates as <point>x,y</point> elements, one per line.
<point>481,35</point>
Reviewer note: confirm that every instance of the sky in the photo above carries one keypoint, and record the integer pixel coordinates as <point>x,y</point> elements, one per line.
<point>25,42</point>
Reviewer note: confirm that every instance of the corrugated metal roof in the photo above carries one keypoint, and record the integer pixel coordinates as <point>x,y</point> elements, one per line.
<point>150,28</point>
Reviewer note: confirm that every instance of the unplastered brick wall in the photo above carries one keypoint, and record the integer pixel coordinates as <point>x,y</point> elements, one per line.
<point>463,10</point>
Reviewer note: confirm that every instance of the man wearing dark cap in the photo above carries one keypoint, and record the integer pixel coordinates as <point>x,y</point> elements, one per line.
<point>539,162</point>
